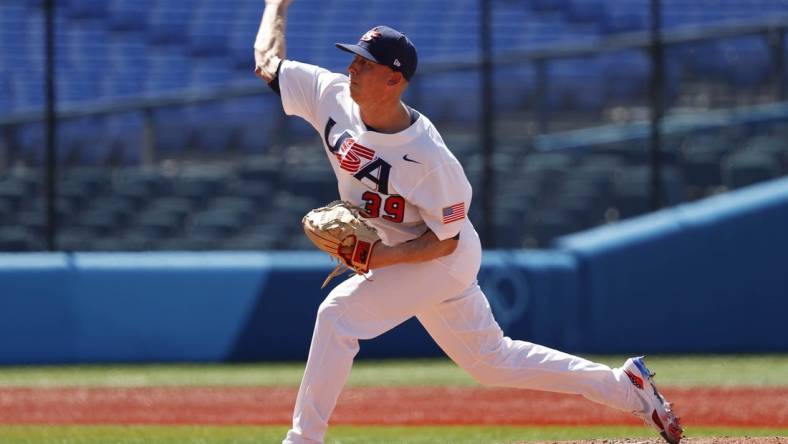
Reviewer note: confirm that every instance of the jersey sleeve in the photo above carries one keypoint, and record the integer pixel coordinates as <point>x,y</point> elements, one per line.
<point>301,86</point>
<point>443,198</point>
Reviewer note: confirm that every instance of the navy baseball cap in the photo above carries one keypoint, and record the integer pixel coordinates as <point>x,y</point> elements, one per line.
<point>386,46</point>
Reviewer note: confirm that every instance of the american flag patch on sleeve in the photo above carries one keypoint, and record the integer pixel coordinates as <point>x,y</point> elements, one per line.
<point>454,213</point>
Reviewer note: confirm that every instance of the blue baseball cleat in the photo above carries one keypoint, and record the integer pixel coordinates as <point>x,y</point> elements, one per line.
<point>657,411</point>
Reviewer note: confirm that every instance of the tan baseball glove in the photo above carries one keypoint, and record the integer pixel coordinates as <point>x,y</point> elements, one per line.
<point>337,225</point>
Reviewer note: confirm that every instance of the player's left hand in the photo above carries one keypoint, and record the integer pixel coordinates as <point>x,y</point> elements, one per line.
<point>341,231</point>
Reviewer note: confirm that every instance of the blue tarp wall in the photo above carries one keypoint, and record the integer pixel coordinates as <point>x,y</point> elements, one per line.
<point>711,276</point>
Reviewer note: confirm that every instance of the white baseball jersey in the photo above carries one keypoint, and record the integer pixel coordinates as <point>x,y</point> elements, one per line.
<point>407,182</point>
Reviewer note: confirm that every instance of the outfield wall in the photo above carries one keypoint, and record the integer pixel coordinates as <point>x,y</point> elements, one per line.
<point>710,276</point>
<point>705,277</point>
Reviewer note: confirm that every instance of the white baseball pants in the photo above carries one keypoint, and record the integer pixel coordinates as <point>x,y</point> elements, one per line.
<point>457,316</point>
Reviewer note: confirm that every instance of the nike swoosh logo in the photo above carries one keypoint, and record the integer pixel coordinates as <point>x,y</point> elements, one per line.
<point>405,158</point>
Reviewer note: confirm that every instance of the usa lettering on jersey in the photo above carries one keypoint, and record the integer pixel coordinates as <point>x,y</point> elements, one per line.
<point>351,153</point>
<point>359,160</point>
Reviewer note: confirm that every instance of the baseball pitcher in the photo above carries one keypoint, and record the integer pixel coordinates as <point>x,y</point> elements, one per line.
<point>395,172</point>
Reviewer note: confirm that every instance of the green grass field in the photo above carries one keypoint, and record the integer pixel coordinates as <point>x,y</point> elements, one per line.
<point>684,371</point>
<point>338,434</point>
<point>677,371</point>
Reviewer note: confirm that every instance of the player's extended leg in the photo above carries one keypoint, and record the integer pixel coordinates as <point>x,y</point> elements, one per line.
<point>465,329</point>
<point>358,309</point>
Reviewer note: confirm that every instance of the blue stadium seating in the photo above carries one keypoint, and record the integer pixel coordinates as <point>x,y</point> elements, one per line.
<point>121,49</point>
<point>128,47</point>
<point>541,195</point>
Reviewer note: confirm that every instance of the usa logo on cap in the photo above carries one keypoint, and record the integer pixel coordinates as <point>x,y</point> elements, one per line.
<point>370,35</point>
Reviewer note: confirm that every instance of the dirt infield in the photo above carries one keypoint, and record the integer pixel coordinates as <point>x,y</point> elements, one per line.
<point>751,407</point>
<point>742,440</point>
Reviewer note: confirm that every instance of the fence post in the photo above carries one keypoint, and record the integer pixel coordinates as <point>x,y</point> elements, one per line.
<point>657,103</point>
<point>487,126</point>
<point>51,126</point>
<point>776,39</point>
<point>542,120</point>
<point>5,146</point>
<point>148,154</point>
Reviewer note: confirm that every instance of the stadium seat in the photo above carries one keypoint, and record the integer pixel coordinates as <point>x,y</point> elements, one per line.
<point>746,61</point>
<point>632,192</point>
<point>169,22</point>
<point>575,84</point>
<point>129,15</point>
<point>257,241</point>
<point>514,96</point>
<point>37,209</point>
<point>208,30</point>
<point>584,210</point>
<point>263,170</point>
<point>6,91</point>
<point>12,192</point>
<point>100,221</point>
<point>180,206</point>
<point>76,142</point>
<point>627,75</point>
<point>549,224</point>
<point>444,102</point>
<point>594,179</point>
<point>33,220</point>
<point>6,211</point>
<point>702,169</point>
<point>254,138</point>
<point>216,223</point>
<point>81,9</point>
<point>169,70</point>
<point>172,133</point>
<point>241,206</point>
<point>626,16</point>
<point>19,239</point>
<point>747,168</point>
<point>117,206</point>
<point>95,180</point>
<point>587,10</point>
<point>156,225</point>
<point>29,91</point>
<point>126,66</point>
<point>548,5</point>
<point>255,191</point>
<point>214,133</point>
<point>775,146</point>
<point>118,142</point>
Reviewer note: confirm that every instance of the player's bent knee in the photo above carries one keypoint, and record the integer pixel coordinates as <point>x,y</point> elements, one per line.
<point>486,368</point>
<point>329,314</point>
<point>328,309</point>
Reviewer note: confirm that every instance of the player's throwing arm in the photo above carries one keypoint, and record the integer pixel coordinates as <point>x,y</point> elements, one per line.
<point>269,46</point>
